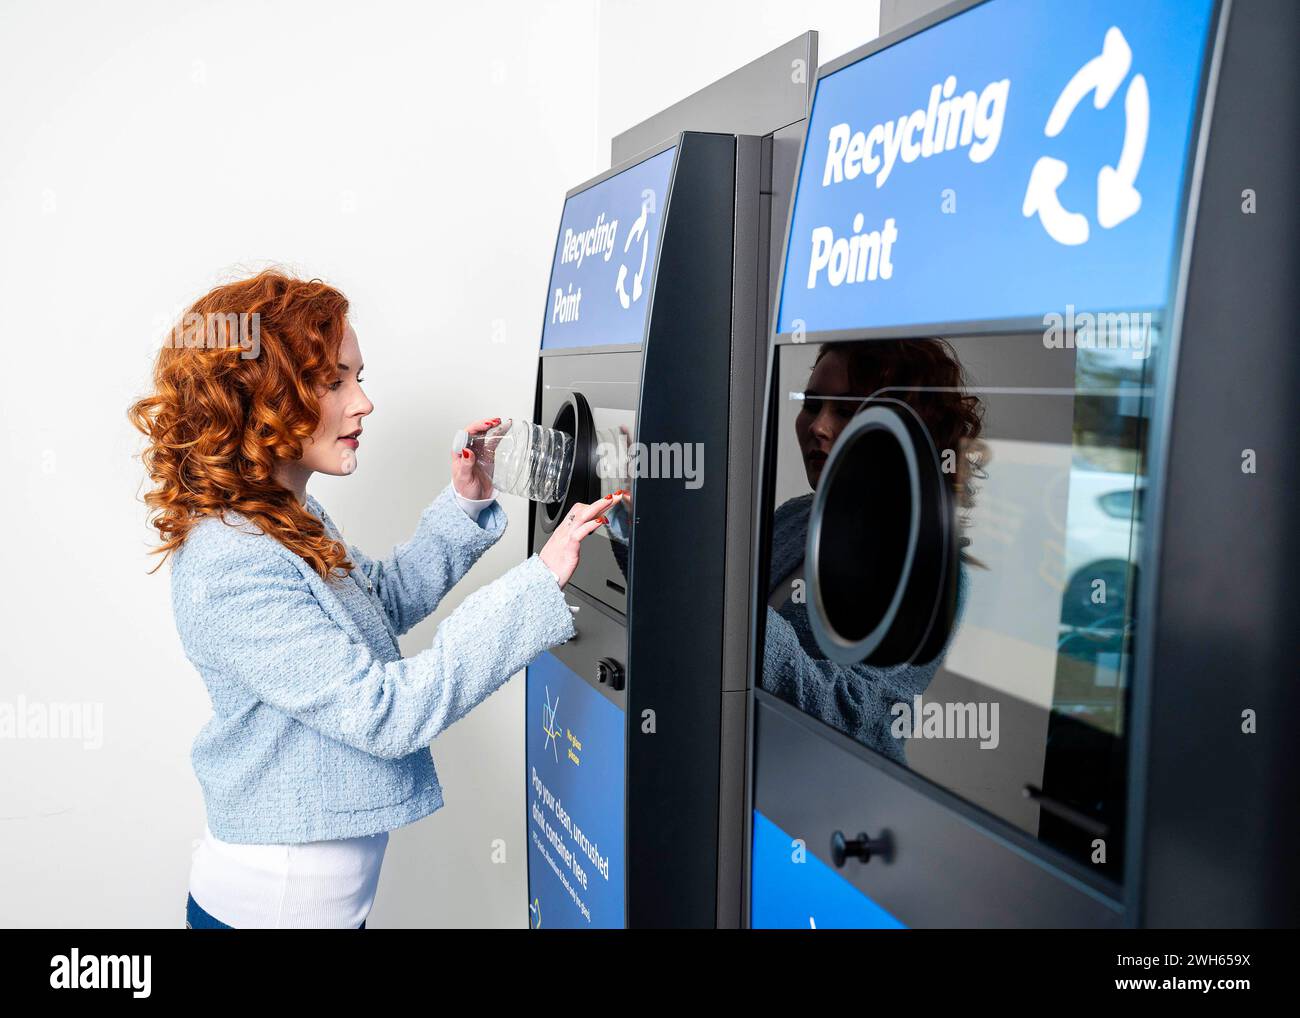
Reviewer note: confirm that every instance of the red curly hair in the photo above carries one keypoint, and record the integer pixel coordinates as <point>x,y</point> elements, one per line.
<point>223,413</point>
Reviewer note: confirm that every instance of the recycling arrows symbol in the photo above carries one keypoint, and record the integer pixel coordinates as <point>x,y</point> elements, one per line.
<point>1117,198</point>
<point>638,230</point>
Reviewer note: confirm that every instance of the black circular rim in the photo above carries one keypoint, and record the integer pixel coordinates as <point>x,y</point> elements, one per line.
<point>929,603</point>
<point>873,421</point>
<point>574,418</point>
<point>914,625</point>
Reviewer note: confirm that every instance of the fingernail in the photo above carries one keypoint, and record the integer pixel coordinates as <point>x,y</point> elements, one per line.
<point>603,520</point>
<point>464,454</point>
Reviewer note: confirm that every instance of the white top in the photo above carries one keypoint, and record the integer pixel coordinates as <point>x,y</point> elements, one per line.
<point>316,885</point>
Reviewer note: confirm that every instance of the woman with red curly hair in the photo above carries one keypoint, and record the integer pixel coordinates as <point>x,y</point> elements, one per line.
<point>318,742</point>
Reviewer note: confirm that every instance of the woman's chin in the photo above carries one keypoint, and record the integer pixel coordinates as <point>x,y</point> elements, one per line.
<point>341,467</point>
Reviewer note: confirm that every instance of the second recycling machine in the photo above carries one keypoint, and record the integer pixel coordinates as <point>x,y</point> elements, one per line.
<point>1022,655</point>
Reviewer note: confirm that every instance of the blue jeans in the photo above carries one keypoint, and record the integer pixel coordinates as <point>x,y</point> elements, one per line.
<point>197,919</point>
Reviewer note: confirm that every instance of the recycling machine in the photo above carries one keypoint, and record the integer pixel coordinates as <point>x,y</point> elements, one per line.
<point>652,358</point>
<point>1027,547</point>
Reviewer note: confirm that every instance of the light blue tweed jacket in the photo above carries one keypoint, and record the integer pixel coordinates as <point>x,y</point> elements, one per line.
<point>320,727</point>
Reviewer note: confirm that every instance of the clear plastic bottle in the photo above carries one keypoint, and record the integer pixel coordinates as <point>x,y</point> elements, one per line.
<point>522,458</point>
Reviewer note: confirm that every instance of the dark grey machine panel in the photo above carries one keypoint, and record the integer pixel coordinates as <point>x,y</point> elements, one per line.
<point>1217,807</point>
<point>600,635</point>
<point>764,105</point>
<point>936,851</point>
<point>677,555</point>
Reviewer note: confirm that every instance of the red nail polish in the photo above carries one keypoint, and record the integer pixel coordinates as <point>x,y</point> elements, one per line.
<point>603,520</point>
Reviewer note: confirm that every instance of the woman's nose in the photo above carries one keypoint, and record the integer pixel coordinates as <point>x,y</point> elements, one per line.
<point>825,426</point>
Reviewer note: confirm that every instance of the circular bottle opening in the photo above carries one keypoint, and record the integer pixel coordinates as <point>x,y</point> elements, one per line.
<point>574,419</point>
<point>879,542</point>
<point>861,535</point>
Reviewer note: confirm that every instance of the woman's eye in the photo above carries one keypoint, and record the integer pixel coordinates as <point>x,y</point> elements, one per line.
<point>812,406</point>
<point>335,385</point>
<point>360,379</point>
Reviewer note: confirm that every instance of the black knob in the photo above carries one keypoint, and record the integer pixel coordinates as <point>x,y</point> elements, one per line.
<point>861,847</point>
<point>610,672</point>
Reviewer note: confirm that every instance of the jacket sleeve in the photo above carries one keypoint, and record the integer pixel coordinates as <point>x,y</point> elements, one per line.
<point>259,623</point>
<point>854,699</point>
<point>413,579</point>
<point>857,700</point>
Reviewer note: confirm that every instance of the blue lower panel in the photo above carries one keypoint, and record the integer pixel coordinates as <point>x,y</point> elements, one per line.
<point>793,889</point>
<point>575,773</point>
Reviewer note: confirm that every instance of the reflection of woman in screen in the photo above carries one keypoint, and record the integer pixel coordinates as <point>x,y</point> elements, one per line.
<point>925,374</point>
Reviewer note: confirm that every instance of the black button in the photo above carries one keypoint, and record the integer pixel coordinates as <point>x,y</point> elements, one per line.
<point>610,672</point>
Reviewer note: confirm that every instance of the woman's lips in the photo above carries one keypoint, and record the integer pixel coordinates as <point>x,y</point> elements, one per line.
<point>350,442</point>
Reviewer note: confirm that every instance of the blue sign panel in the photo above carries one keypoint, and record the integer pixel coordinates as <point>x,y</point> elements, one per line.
<point>575,801</point>
<point>605,258</point>
<point>792,889</point>
<point>1016,159</point>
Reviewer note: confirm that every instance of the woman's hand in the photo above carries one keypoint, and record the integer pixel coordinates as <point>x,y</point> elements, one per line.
<point>468,476</point>
<point>560,553</point>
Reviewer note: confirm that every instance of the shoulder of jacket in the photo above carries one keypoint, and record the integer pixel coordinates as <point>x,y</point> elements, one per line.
<point>793,513</point>
<point>220,545</point>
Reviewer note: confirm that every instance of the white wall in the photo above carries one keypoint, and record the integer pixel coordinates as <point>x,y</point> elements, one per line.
<point>415,155</point>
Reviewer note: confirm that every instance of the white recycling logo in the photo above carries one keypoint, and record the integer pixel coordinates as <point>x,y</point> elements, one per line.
<point>1117,198</point>
<point>638,230</point>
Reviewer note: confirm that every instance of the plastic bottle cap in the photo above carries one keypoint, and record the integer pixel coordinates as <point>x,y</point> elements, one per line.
<point>460,442</point>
